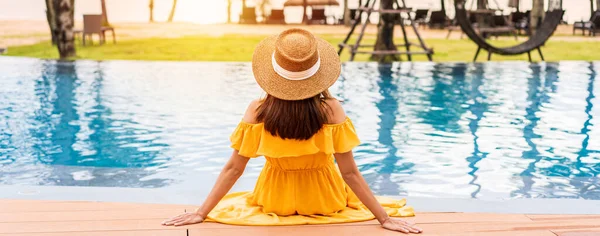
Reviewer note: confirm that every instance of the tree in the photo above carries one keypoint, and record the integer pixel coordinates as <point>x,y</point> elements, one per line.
<point>385,34</point>
<point>346,13</point>
<point>228,11</point>
<point>63,16</point>
<point>304,16</point>
<point>537,15</point>
<point>51,20</point>
<point>172,14</point>
<point>104,14</point>
<point>151,6</point>
<point>597,5</point>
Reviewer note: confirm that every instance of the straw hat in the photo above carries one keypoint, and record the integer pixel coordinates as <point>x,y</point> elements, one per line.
<point>295,65</point>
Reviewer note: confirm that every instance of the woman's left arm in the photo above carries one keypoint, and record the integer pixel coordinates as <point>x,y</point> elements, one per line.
<point>229,175</point>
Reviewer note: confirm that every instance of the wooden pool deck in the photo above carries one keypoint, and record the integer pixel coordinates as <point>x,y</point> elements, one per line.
<point>71,218</point>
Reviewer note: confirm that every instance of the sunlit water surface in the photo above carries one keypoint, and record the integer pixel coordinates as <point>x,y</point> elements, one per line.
<point>494,130</point>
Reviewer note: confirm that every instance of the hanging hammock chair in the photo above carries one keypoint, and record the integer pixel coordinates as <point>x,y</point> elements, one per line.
<point>544,31</point>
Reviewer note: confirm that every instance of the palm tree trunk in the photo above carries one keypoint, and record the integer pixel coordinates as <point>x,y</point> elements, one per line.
<point>151,6</point>
<point>172,14</point>
<point>346,13</point>
<point>385,34</point>
<point>304,16</point>
<point>228,11</point>
<point>63,15</point>
<point>104,14</point>
<point>537,15</point>
<point>51,20</point>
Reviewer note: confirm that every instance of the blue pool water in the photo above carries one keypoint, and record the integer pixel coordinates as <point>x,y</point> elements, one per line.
<point>493,130</point>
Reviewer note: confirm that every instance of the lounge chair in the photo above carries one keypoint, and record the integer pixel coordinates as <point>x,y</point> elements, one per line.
<point>502,26</point>
<point>248,16</point>
<point>438,19</point>
<point>421,16</point>
<point>586,25</point>
<point>92,24</point>
<point>276,17</point>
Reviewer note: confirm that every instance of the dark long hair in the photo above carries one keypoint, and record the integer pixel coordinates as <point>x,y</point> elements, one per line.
<point>294,119</point>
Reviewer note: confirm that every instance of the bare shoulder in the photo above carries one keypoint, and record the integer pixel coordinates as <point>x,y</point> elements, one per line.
<point>250,115</point>
<point>335,112</point>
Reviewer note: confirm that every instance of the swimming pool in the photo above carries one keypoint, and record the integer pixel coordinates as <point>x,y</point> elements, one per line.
<point>485,131</point>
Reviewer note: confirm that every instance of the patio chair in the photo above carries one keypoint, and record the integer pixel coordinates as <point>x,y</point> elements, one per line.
<point>586,25</point>
<point>520,20</point>
<point>318,16</point>
<point>276,17</point>
<point>421,16</point>
<point>3,50</point>
<point>248,15</point>
<point>92,24</point>
<point>438,19</point>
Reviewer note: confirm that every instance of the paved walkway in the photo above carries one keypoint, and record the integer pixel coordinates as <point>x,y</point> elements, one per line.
<point>53,218</point>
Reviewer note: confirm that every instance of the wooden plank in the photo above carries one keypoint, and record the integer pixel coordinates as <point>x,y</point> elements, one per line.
<point>83,226</point>
<point>421,218</point>
<point>345,230</point>
<point>179,232</point>
<point>38,206</point>
<point>562,217</point>
<point>9,217</point>
<point>596,233</point>
<point>578,232</point>
<point>508,226</point>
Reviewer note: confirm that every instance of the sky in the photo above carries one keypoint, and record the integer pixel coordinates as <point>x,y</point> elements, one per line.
<point>214,11</point>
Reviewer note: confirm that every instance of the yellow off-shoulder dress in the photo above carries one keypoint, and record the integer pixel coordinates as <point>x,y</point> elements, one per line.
<point>300,183</point>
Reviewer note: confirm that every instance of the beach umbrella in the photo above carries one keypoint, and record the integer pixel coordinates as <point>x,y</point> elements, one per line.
<point>296,3</point>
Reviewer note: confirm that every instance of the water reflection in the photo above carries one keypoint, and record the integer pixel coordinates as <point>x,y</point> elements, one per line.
<point>75,129</point>
<point>388,111</point>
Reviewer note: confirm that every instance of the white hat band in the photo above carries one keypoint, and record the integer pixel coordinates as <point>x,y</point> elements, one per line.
<point>295,75</point>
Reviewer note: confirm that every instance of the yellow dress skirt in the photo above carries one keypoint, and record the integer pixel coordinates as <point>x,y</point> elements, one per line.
<point>300,183</point>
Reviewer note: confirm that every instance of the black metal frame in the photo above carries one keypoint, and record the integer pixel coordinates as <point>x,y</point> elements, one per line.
<point>368,8</point>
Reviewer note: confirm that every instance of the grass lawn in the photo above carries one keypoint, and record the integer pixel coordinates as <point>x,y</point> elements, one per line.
<point>240,48</point>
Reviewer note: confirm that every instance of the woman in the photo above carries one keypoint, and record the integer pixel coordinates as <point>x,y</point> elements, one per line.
<point>301,130</point>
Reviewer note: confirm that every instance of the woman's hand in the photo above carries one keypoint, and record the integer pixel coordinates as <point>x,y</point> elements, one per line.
<point>184,219</point>
<point>400,226</point>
